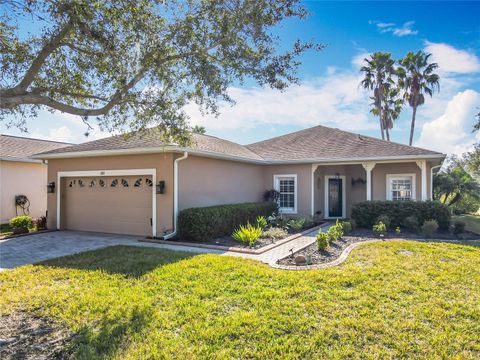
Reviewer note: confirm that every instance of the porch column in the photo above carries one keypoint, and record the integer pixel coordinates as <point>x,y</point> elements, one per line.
<point>312,195</point>
<point>422,164</point>
<point>368,166</point>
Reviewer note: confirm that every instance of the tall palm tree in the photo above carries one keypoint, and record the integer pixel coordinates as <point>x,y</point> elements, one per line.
<point>392,107</point>
<point>378,72</point>
<point>417,77</point>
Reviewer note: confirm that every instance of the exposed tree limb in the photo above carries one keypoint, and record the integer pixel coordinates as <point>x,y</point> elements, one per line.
<point>39,60</point>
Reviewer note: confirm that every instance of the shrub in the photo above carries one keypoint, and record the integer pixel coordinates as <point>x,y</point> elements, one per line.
<point>275,233</point>
<point>346,227</point>
<point>397,230</point>
<point>367,212</point>
<point>411,223</point>
<point>458,227</point>
<point>335,232</point>
<point>18,222</point>
<point>429,228</point>
<point>262,222</point>
<point>40,223</point>
<point>380,228</point>
<point>322,240</point>
<point>384,219</point>
<point>296,224</point>
<point>278,220</point>
<point>214,221</point>
<point>247,234</point>
<point>353,223</point>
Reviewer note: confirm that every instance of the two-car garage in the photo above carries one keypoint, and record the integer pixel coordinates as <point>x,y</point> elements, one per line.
<point>112,203</point>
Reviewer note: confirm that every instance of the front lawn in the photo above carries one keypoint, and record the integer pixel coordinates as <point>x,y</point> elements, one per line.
<point>472,222</point>
<point>389,300</point>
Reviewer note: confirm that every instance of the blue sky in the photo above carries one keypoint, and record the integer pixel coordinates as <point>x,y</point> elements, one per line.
<point>329,94</point>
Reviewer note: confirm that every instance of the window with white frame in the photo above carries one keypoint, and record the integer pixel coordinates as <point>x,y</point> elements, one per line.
<point>286,185</point>
<point>401,187</point>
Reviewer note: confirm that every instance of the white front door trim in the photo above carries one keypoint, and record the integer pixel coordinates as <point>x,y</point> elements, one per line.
<point>344,197</point>
<point>125,172</point>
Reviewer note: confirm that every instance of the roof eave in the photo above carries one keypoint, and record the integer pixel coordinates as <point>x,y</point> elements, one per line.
<point>212,154</point>
<point>24,160</point>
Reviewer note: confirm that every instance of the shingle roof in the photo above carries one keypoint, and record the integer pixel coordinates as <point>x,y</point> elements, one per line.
<point>17,147</point>
<point>315,143</point>
<point>322,142</point>
<point>153,140</point>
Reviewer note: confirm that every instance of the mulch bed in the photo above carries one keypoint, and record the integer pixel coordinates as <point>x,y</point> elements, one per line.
<point>24,336</point>
<point>360,235</point>
<point>228,241</point>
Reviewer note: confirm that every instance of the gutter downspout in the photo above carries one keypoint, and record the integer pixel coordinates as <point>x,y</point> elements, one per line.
<point>175,196</point>
<point>431,179</point>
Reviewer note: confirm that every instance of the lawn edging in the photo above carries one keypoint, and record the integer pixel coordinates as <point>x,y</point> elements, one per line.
<point>13,236</point>
<point>238,249</point>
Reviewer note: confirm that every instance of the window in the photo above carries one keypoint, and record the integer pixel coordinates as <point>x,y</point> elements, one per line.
<point>401,187</point>
<point>124,183</point>
<point>114,183</point>
<point>286,185</point>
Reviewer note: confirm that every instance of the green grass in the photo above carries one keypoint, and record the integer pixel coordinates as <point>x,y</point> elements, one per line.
<point>5,229</point>
<point>389,300</point>
<point>472,222</point>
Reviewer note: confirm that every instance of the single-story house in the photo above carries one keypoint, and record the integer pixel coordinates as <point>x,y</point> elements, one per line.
<point>137,185</point>
<point>22,175</point>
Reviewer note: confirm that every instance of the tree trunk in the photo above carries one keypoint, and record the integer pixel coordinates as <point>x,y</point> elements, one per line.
<point>387,133</point>
<point>412,127</point>
<point>381,123</point>
<point>455,199</point>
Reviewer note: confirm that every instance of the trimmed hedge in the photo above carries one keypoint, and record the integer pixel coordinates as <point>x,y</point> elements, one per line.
<point>366,213</point>
<point>214,221</point>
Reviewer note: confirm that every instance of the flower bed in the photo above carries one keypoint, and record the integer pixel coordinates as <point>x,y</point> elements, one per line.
<point>333,252</point>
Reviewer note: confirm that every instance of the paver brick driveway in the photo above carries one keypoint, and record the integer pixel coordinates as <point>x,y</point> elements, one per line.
<point>34,248</point>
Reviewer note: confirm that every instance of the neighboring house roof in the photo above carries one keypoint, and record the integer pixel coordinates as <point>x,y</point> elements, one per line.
<point>16,148</point>
<point>319,143</point>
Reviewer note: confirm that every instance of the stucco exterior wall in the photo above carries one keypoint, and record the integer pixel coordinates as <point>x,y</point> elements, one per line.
<point>163,163</point>
<point>22,178</point>
<point>206,182</point>
<point>304,183</point>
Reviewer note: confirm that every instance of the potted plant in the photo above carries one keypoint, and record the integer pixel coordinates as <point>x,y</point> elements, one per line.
<point>20,224</point>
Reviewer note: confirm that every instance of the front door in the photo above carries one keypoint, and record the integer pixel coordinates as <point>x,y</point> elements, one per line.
<point>335,197</point>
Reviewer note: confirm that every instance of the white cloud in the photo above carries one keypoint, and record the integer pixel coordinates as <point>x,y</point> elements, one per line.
<point>333,100</point>
<point>62,134</point>
<point>403,30</point>
<point>451,133</point>
<point>453,60</point>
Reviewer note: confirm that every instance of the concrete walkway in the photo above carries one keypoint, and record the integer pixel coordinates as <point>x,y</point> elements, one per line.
<point>35,248</point>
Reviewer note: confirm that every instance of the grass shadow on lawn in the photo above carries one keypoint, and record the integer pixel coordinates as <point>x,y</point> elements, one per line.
<point>130,261</point>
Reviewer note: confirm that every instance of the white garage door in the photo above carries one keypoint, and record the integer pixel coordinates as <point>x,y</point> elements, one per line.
<point>118,204</point>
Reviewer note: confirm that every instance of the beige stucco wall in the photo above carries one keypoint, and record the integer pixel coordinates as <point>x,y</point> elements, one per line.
<point>22,178</point>
<point>206,182</point>
<point>163,163</point>
<point>304,183</point>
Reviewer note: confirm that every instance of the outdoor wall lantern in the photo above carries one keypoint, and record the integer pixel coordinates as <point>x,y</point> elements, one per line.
<point>51,187</point>
<point>337,176</point>
<point>161,187</point>
<point>358,181</point>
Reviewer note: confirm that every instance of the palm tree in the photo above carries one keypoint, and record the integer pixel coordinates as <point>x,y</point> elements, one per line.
<point>417,77</point>
<point>392,107</point>
<point>378,74</point>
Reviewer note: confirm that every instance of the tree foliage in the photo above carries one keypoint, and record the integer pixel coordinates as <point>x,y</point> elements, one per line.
<point>417,77</point>
<point>134,63</point>
<point>454,184</point>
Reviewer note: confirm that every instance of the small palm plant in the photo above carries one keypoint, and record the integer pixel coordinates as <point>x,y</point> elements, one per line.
<point>417,77</point>
<point>247,234</point>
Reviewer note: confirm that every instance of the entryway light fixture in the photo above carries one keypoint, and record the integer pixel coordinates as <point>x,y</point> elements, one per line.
<point>161,187</point>
<point>51,187</point>
<point>337,176</point>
